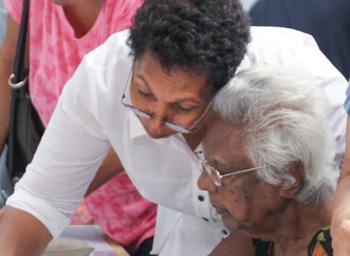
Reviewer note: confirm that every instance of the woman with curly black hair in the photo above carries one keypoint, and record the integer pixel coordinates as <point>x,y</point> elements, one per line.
<point>147,92</point>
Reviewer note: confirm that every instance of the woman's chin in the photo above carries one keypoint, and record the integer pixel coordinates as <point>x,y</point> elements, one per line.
<point>230,223</point>
<point>233,224</point>
<point>159,135</point>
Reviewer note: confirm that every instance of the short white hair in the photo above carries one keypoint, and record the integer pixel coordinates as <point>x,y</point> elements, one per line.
<point>283,117</point>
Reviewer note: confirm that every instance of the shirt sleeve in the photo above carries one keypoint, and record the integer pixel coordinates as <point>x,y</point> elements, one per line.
<point>299,51</point>
<point>67,158</point>
<point>14,7</point>
<point>334,85</point>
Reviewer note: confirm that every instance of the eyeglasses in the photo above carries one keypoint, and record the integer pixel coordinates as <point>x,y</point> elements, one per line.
<point>149,115</point>
<point>215,175</point>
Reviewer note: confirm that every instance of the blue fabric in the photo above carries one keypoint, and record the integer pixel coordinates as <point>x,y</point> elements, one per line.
<point>328,21</point>
<point>3,20</point>
<point>347,101</point>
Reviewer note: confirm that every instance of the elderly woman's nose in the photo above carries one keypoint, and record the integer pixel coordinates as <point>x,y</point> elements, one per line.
<point>205,183</point>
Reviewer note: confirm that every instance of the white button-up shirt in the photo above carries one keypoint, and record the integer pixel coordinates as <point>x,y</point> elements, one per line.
<point>90,118</point>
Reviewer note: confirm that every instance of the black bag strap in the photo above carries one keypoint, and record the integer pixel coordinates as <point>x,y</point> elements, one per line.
<point>17,81</point>
<point>19,71</point>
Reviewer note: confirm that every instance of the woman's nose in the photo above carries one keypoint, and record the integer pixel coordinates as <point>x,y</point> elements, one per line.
<point>160,115</point>
<point>156,123</point>
<point>205,183</point>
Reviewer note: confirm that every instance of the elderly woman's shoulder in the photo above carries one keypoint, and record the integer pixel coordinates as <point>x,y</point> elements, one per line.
<point>320,245</point>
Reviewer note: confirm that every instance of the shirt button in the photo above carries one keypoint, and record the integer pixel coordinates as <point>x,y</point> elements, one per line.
<point>201,198</point>
<point>205,219</point>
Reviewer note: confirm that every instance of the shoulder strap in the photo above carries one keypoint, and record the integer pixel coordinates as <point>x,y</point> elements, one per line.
<point>17,81</point>
<point>19,70</point>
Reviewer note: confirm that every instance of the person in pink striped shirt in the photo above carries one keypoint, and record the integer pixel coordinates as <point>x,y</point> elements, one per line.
<point>61,32</point>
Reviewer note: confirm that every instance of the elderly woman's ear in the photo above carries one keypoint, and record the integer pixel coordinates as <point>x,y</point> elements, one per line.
<point>292,182</point>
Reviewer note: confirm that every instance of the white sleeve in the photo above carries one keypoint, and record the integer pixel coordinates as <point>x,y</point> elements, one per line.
<point>68,156</point>
<point>334,85</point>
<point>298,51</point>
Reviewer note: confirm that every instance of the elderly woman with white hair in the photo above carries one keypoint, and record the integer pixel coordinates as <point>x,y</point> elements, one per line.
<point>269,165</point>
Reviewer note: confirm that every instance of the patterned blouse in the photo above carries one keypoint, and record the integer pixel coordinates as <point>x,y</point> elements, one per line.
<point>320,245</point>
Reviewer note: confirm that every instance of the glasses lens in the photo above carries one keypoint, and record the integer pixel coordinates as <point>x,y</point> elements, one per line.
<point>140,113</point>
<point>213,174</point>
<point>125,100</point>
<point>176,127</point>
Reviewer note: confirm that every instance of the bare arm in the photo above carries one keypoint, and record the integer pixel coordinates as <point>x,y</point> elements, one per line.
<point>110,166</point>
<point>7,55</point>
<point>235,244</point>
<point>21,233</point>
<point>340,227</point>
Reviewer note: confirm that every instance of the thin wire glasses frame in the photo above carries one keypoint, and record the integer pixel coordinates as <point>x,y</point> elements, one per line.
<point>215,175</point>
<point>149,115</point>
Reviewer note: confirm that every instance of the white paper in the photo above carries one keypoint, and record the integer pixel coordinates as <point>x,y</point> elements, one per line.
<point>92,235</point>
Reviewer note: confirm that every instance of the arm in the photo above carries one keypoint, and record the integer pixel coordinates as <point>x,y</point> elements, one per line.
<point>7,55</point>
<point>235,244</point>
<point>72,148</point>
<point>340,228</point>
<point>15,226</point>
<point>14,223</point>
<point>110,166</point>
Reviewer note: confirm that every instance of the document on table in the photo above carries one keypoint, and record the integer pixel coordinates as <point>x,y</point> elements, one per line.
<point>92,235</point>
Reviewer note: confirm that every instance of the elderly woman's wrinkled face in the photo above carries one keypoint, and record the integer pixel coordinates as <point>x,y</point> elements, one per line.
<point>244,201</point>
<point>175,96</point>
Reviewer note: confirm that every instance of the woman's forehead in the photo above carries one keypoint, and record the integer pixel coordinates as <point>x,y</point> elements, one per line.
<point>147,65</point>
<point>176,82</point>
<point>224,145</point>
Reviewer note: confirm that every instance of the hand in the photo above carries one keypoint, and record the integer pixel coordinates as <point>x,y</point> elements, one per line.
<point>340,230</point>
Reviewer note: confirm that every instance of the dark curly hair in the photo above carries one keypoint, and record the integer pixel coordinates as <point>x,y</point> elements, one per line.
<point>207,37</point>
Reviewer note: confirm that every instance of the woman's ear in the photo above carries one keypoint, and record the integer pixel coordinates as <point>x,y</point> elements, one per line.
<point>292,183</point>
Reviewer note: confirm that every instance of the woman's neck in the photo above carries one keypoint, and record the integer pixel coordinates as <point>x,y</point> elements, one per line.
<point>194,139</point>
<point>82,15</point>
<point>297,226</point>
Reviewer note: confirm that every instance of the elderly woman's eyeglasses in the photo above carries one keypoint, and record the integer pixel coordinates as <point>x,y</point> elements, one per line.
<point>215,176</point>
<point>149,115</point>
